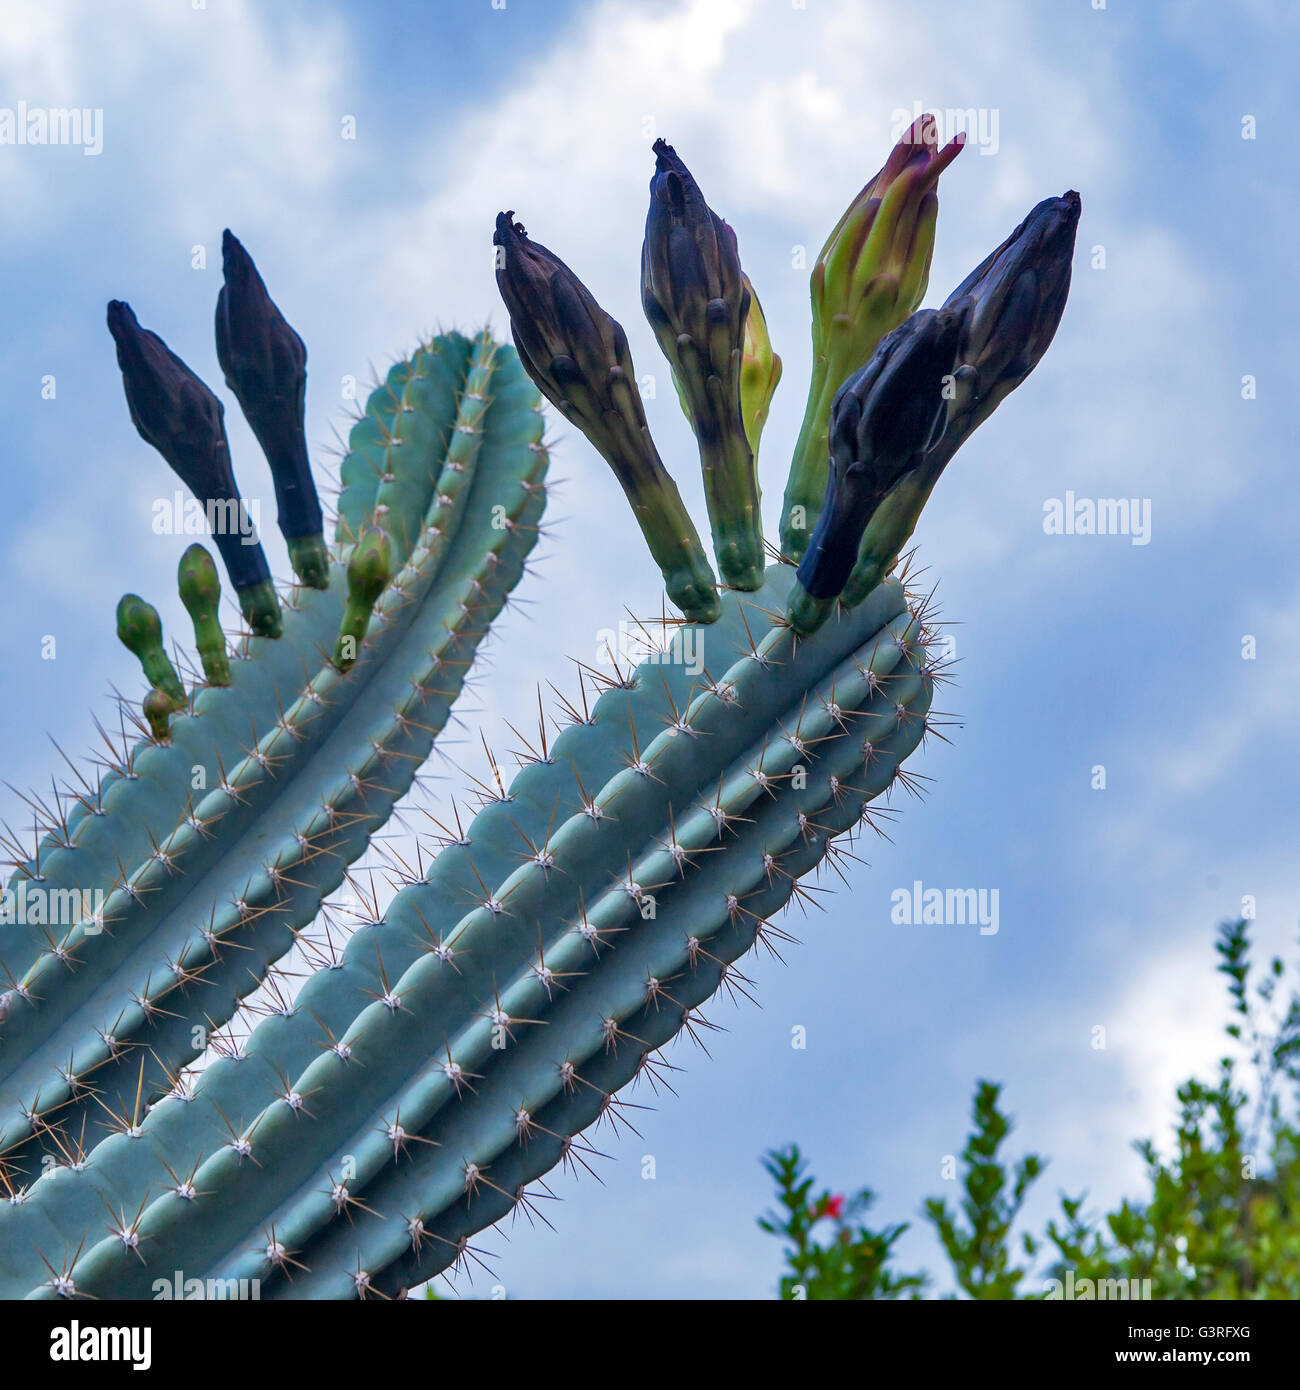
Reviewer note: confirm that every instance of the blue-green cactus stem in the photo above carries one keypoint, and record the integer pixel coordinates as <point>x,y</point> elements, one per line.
<point>751,715</point>
<point>508,1137</point>
<point>407,499</point>
<point>177,1135</point>
<point>779,833</point>
<point>408,421</point>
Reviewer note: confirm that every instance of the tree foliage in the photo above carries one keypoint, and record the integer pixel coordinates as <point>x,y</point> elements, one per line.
<point>1220,1218</point>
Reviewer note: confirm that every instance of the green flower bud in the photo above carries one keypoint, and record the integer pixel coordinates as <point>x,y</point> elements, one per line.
<point>369,570</point>
<point>158,709</point>
<point>200,590</point>
<point>870,276</point>
<point>140,631</point>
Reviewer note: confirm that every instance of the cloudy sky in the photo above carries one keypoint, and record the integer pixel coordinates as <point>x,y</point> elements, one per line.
<point>1074,651</point>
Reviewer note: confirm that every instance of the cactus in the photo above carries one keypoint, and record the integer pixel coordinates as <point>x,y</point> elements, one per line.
<point>469,1033</point>
<point>214,839</point>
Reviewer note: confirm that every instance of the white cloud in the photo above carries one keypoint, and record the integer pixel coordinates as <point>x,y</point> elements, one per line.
<point>201,106</point>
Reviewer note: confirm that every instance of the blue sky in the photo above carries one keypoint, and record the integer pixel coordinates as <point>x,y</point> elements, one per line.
<point>1074,651</point>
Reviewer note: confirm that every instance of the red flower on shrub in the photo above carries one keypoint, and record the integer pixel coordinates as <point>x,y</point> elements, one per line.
<point>829,1205</point>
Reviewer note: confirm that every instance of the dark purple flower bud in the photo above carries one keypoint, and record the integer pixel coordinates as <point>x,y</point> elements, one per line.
<point>884,419</point>
<point>177,413</point>
<point>697,300</point>
<point>1011,304</point>
<point>579,358</point>
<point>691,280</point>
<point>265,365</point>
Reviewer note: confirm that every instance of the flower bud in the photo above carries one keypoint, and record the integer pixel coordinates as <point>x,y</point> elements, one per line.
<point>176,412</point>
<point>578,356</point>
<point>265,366</point>
<point>1010,306</point>
<point>760,372</point>
<point>871,274</point>
<point>697,301</point>
<point>369,570</point>
<point>158,709</point>
<point>139,629</point>
<point>200,591</point>
<point>884,420</point>
<point>1012,303</point>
